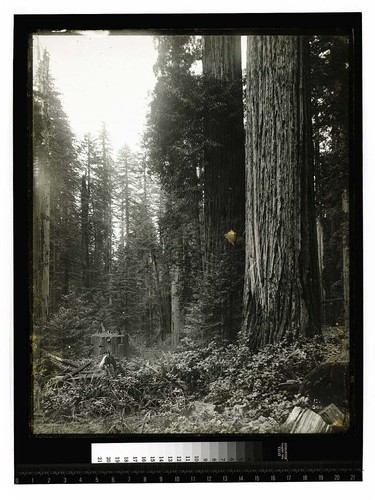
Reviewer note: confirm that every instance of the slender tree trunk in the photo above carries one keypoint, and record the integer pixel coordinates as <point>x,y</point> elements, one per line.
<point>107,211</point>
<point>127,202</point>
<point>149,305</point>
<point>224,181</point>
<point>42,208</point>
<point>164,314</point>
<point>66,258</point>
<point>320,241</point>
<point>45,242</point>
<point>127,236</point>
<point>177,317</point>
<point>107,218</point>
<point>149,278</point>
<point>85,252</point>
<point>281,297</point>
<point>54,294</point>
<point>41,252</point>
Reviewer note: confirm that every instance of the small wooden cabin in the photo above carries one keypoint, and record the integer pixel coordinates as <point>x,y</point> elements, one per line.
<point>116,343</point>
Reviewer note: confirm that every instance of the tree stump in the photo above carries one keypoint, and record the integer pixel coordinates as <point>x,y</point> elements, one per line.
<point>332,416</point>
<point>328,382</point>
<point>305,421</point>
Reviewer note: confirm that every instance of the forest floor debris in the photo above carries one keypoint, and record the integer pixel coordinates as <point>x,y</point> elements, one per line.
<point>212,388</point>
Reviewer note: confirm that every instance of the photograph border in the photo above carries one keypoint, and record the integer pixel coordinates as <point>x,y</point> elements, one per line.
<point>74,450</point>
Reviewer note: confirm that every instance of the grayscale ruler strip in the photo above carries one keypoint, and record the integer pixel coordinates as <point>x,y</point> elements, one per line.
<point>184,452</point>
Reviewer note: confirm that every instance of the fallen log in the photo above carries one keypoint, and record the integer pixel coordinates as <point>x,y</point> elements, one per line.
<point>291,385</point>
<point>91,375</point>
<point>80,369</point>
<point>66,362</point>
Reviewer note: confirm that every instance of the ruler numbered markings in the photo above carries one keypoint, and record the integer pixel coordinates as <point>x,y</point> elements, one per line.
<point>186,476</point>
<point>198,452</point>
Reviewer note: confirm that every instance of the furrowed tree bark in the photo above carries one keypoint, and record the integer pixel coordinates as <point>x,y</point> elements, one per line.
<point>281,295</point>
<point>224,180</point>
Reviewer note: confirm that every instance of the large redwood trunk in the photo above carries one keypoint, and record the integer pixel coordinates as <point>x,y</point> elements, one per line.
<point>281,297</point>
<point>224,181</point>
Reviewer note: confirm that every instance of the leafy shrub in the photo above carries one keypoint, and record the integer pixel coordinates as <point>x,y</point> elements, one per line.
<point>198,388</point>
<point>68,330</point>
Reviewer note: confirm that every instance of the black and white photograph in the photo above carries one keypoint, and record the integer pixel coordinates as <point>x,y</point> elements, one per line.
<point>190,248</point>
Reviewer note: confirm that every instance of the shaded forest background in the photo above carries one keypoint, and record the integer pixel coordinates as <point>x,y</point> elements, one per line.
<point>219,248</point>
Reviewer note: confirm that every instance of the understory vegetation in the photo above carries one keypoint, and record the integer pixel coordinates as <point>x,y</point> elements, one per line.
<point>208,388</point>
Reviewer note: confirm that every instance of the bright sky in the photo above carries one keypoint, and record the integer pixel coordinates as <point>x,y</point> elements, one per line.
<point>103,78</point>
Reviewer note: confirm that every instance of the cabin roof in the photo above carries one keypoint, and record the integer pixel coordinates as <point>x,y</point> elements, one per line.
<point>107,334</point>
